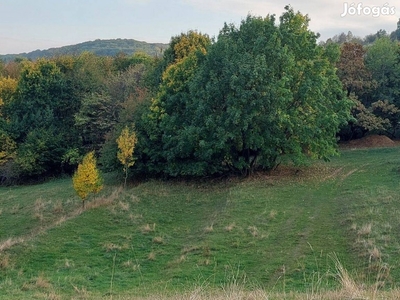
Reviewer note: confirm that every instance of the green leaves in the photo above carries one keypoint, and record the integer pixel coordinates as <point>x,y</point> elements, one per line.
<point>262,91</point>
<point>382,59</point>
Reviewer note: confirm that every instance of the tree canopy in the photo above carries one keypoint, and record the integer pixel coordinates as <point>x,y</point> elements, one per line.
<point>260,93</point>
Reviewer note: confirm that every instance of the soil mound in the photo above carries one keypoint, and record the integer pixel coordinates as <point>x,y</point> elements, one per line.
<point>370,141</point>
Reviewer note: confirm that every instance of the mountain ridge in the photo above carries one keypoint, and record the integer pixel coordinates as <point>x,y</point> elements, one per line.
<point>106,47</point>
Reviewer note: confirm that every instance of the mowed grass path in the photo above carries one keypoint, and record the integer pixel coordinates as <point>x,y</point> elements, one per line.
<point>277,231</point>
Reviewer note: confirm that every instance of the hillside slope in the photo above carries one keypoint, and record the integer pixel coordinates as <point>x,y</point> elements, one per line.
<point>277,231</point>
<point>99,47</point>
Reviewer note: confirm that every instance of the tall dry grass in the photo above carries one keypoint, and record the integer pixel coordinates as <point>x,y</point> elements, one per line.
<point>348,289</point>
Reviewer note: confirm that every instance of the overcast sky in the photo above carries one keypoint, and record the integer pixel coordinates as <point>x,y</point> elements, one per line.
<point>27,25</point>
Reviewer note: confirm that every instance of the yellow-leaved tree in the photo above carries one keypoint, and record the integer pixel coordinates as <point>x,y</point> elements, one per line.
<point>87,179</point>
<point>8,87</point>
<point>7,148</point>
<point>126,145</point>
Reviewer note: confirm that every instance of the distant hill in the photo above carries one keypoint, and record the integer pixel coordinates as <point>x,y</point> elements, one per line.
<point>99,47</point>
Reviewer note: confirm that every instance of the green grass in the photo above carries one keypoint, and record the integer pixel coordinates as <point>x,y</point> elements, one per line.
<point>277,232</point>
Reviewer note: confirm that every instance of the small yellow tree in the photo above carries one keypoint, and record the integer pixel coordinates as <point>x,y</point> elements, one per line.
<point>87,179</point>
<point>126,145</point>
<point>7,148</point>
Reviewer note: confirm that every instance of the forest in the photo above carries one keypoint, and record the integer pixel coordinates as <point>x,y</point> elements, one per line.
<point>260,94</point>
<point>99,47</point>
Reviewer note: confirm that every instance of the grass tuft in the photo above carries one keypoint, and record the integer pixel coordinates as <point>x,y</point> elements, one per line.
<point>189,249</point>
<point>375,254</point>
<point>151,256</point>
<point>230,227</point>
<point>39,205</point>
<point>158,240</point>
<point>272,215</point>
<point>4,261</point>
<point>209,229</point>
<point>111,247</point>
<point>253,230</point>
<point>42,283</point>
<point>147,228</point>
<point>347,206</point>
<point>349,288</point>
<point>7,244</point>
<point>124,205</point>
<point>58,207</point>
<point>365,229</point>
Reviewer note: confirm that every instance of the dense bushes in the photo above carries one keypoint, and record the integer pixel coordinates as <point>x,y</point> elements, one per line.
<point>260,93</point>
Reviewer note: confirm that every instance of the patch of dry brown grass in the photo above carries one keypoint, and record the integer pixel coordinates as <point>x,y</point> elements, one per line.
<point>49,296</point>
<point>38,283</point>
<point>253,230</point>
<point>5,261</point>
<point>135,199</point>
<point>147,228</point>
<point>131,265</point>
<point>135,217</point>
<point>151,256</point>
<point>39,205</point>
<point>209,229</point>
<point>230,227</point>
<point>81,291</point>
<point>112,247</point>
<point>272,214</point>
<point>237,292</point>
<point>124,205</point>
<point>58,207</point>
<point>105,200</point>
<point>38,216</point>
<point>374,254</point>
<point>188,249</point>
<point>349,288</point>
<point>177,261</point>
<point>7,244</point>
<point>68,263</point>
<point>366,229</point>
<point>158,240</point>
<point>42,283</point>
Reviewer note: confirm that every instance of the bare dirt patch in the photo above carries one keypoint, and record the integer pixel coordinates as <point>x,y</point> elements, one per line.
<point>370,141</point>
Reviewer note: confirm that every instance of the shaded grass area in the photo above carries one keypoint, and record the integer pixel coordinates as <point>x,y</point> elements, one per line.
<point>273,232</point>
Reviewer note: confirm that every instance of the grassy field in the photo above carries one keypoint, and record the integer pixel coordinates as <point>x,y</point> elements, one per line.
<point>293,234</point>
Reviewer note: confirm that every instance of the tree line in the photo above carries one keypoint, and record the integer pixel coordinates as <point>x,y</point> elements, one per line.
<point>260,94</point>
<point>99,47</point>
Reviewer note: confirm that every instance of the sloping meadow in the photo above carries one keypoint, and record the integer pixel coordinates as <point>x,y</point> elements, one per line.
<point>279,233</point>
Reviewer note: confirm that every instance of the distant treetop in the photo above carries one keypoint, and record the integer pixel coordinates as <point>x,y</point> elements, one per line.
<point>98,47</point>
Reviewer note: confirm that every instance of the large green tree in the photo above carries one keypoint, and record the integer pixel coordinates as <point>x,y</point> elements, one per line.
<point>262,92</point>
<point>161,126</point>
<point>40,118</point>
<point>383,61</point>
<point>382,101</point>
